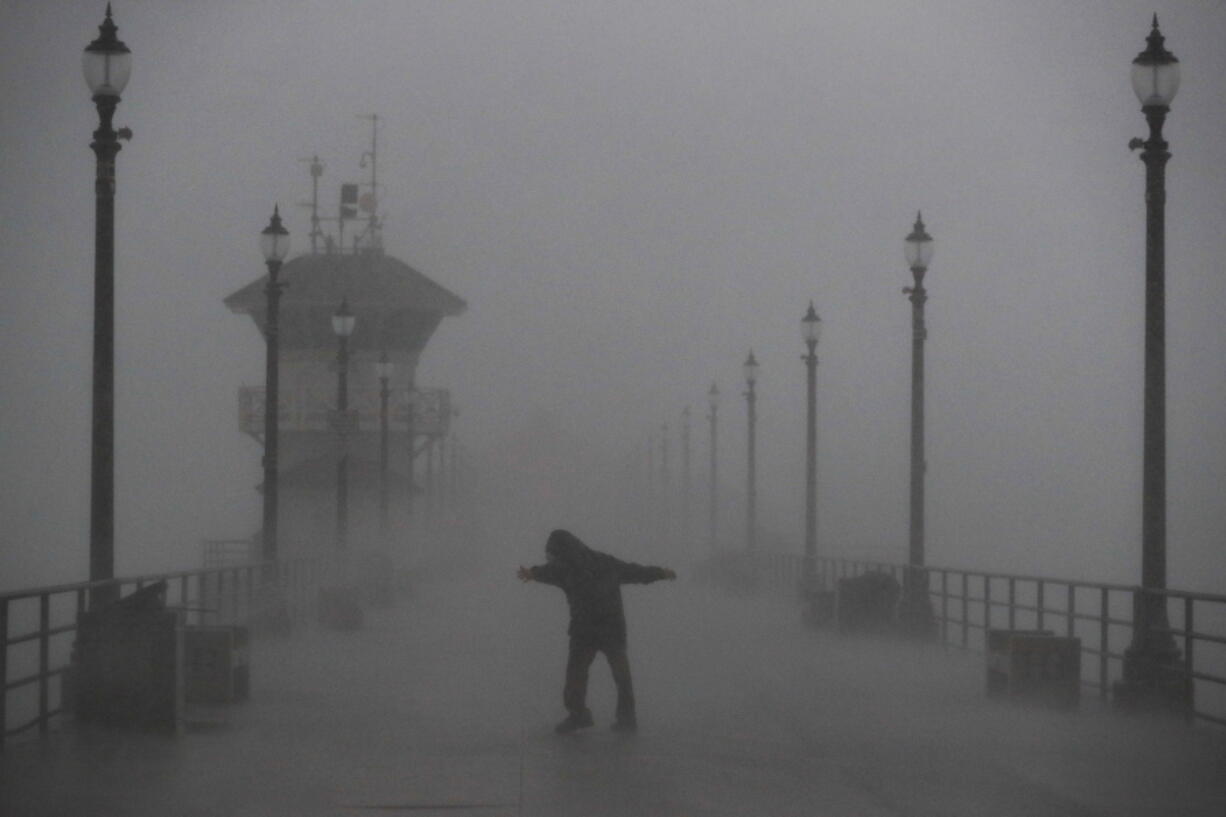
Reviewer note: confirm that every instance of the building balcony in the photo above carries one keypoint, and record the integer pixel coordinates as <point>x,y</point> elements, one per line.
<point>431,412</point>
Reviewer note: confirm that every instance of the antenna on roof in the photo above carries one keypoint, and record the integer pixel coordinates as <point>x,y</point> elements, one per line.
<point>369,202</point>
<point>317,170</point>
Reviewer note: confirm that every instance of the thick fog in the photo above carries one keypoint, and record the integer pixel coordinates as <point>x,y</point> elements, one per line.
<point>630,197</point>
<point>448,699</point>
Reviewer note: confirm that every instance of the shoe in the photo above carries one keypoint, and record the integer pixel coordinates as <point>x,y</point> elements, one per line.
<point>630,724</point>
<point>574,722</point>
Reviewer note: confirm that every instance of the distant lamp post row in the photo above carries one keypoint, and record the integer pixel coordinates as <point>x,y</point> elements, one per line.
<point>107,62</point>
<point>1150,659</point>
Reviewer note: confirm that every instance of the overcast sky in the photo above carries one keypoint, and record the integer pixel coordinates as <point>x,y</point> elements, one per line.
<point>630,196</point>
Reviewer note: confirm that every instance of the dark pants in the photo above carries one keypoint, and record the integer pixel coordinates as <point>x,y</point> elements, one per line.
<point>582,653</point>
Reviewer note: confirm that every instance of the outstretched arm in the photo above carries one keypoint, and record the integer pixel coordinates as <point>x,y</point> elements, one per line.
<point>633,573</point>
<point>546,574</point>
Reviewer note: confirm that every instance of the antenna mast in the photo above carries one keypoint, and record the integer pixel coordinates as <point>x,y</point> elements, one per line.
<point>372,225</point>
<point>317,170</point>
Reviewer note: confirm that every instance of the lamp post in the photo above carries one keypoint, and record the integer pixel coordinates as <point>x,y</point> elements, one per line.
<point>686,529</point>
<point>274,244</point>
<point>443,475</point>
<point>713,482</point>
<point>1155,79</point>
<point>410,433</point>
<point>106,63</point>
<point>751,477</point>
<point>453,490</point>
<point>651,471</point>
<point>342,324</point>
<point>915,607</point>
<point>811,331</point>
<point>665,483</point>
<point>383,370</point>
<point>428,503</point>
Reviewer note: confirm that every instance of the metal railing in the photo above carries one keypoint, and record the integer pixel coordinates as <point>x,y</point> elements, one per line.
<point>299,411</point>
<point>37,625</point>
<point>967,603</point>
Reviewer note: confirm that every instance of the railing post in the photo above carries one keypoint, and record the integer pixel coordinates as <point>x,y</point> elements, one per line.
<point>296,593</point>
<point>944,607</point>
<point>4,669</point>
<point>256,585</point>
<point>966,611</point>
<point>1039,601</point>
<point>1012,603</point>
<point>251,572</point>
<point>44,660</point>
<point>220,598</point>
<point>236,606</point>
<point>1102,646</point>
<point>241,574</point>
<point>1071,630</point>
<point>202,592</point>
<point>1188,665</point>
<point>987,604</point>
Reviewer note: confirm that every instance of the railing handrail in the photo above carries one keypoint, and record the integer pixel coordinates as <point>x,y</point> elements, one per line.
<point>56,589</point>
<point>248,580</point>
<point>991,574</point>
<point>1027,577</point>
<point>1176,593</point>
<point>1195,595</point>
<point>1040,602</point>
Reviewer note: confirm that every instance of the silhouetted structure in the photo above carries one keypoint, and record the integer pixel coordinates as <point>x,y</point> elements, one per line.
<point>397,309</point>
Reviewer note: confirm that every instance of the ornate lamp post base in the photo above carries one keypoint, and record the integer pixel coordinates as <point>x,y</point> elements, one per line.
<point>1155,679</point>
<point>1160,689</point>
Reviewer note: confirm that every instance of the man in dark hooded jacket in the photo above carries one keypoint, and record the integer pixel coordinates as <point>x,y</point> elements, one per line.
<point>592,582</point>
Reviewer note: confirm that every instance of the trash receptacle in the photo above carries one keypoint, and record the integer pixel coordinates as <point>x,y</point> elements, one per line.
<point>1035,665</point>
<point>217,660</point>
<point>127,665</point>
<point>867,603</point>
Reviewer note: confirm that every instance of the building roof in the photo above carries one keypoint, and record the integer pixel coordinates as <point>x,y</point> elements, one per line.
<point>369,280</point>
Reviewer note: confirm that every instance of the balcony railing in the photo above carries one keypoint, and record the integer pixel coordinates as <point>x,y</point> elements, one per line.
<point>431,412</point>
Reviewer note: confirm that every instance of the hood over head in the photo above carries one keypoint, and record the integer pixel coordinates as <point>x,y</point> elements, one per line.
<point>566,547</point>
